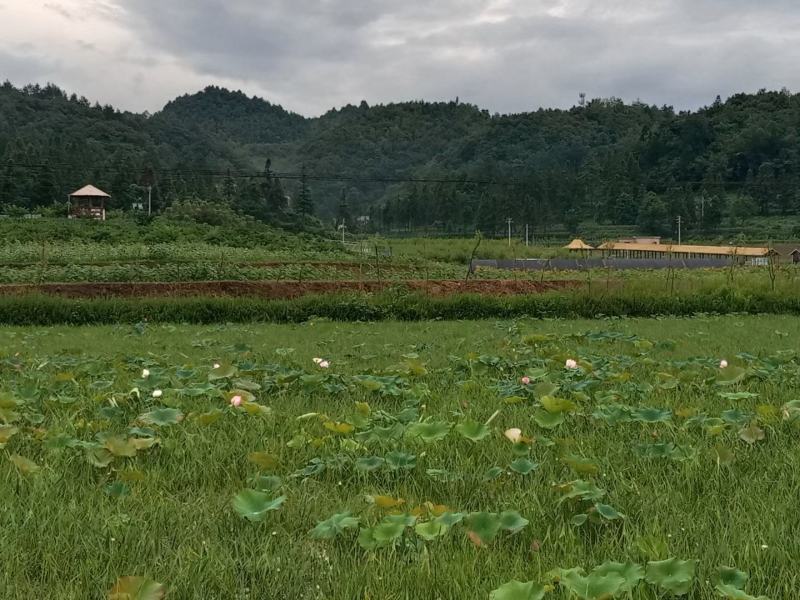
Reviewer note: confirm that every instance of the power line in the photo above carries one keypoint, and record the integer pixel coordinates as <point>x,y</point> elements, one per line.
<point>293,176</point>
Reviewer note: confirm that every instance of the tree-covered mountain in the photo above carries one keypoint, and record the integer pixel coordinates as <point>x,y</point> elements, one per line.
<point>415,164</point>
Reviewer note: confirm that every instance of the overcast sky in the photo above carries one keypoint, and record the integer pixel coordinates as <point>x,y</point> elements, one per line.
<point>311,55</point>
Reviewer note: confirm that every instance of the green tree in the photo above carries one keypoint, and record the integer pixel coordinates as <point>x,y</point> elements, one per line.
<point>305,205</point>
<point>653,214</point>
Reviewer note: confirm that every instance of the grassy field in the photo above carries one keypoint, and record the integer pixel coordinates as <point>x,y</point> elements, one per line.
<point>647,451</point>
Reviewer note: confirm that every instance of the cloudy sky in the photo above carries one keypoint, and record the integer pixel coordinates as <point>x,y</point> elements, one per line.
<point>311,55</point>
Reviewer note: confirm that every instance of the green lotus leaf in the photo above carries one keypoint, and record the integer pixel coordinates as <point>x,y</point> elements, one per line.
<point>730,584</point>
<point>613,413</point>
<point>671,575</point>
<point>450,518</point>
<point>136,588</point>
<point>791,411</point>
<point>8,416</point>
<point>366,538</point>
<point>117,489</point>
<point>162,417</point>
<point>545,388</point>
<point>735,417</point>
<point>472,430</point>
<point>6,433</point>
<point>581,465</point>
<point>397,460</point>
<point>523,466</point>
<point>630,572</point>
<point>266,483</point>
<point>730,376</point>
<point>557,405</point>
<point>389,529</point>
<point>381,435</point>
<point>651,415</point>
<point>430,530</point>
<point>333,526</point>
<point>595,586</point>
<point>263,460</point>
<point>483,525</point>
<point>723,455</point>
<point>609,513</point>
<point>511,520</point>
<point>492,473</point>
<point>443,475</point>
<point>429,431</point>
<point>99,457</point>
<point>732,577</point>
<point>581,489</point>
<point>254,505</point>
<point>548,420</point>
<point>520,448</point>
<point>737,395</point>
<point>24,465</point>
<point>579,519</point>
<point>732,593</point>
<point>751,434</point>
<point>120,446</point>
<point>518,590</point>
<point>223,371</point>
<point>367,464</point>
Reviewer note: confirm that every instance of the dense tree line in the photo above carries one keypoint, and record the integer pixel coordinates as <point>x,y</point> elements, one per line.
<point>447,166</point>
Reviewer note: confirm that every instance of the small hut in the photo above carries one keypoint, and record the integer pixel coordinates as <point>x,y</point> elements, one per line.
<point>88,203</point>
<point>578,245</point>
<point>795,254</point>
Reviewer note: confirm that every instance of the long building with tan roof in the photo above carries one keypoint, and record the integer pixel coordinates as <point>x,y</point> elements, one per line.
<point>628,250</point>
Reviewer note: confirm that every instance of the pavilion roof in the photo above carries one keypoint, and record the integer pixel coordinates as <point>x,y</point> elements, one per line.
<point>89,191</point>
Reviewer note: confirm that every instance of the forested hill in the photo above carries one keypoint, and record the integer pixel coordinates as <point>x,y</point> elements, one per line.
<point>605,161</point>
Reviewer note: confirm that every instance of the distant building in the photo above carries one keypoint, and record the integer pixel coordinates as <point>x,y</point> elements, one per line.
<point>795,254</point>
<point>88,203</point>
<point>742,254</point>
<point>653,239</point>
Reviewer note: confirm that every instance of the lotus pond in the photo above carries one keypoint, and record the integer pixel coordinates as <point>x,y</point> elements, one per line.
<point>427,460</point>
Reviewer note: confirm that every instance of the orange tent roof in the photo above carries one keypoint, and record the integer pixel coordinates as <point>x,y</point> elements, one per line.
<point>578,244</point>
<point>89,191</point>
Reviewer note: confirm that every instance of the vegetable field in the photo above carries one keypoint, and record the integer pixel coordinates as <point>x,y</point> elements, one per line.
<point>511,460</point>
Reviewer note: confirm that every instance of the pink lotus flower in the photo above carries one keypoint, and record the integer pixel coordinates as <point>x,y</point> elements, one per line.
<point>514,434</point>
<point>236,401</point>
<point>525,380</point>
<point>324,364</point>
<point>317,360</point>
<point>571,364</point>
<point>723,364</point>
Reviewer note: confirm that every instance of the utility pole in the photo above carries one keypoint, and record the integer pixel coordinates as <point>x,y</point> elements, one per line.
<point>509,220</point>
<point>149,200</point>
<point>343,227</point>
<point>526,235</point>
<point>679,230</point>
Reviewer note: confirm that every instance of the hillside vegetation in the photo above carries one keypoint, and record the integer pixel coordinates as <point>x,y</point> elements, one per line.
<point>604,162</point>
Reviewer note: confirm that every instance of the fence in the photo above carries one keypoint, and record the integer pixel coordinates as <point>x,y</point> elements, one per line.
<point>578,264</point>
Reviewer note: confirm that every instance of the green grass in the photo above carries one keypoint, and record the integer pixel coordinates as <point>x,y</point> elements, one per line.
<point>63,536</point>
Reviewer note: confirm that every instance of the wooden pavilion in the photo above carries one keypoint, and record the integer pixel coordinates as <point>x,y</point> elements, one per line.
<point>578,245</point>
<point>88,203</point>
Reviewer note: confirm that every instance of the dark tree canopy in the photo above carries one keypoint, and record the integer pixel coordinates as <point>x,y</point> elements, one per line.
<point>604,161</point>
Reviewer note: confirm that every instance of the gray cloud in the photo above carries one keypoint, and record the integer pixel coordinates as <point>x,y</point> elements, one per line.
<point>505,55</point>
<point>21,67</point>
